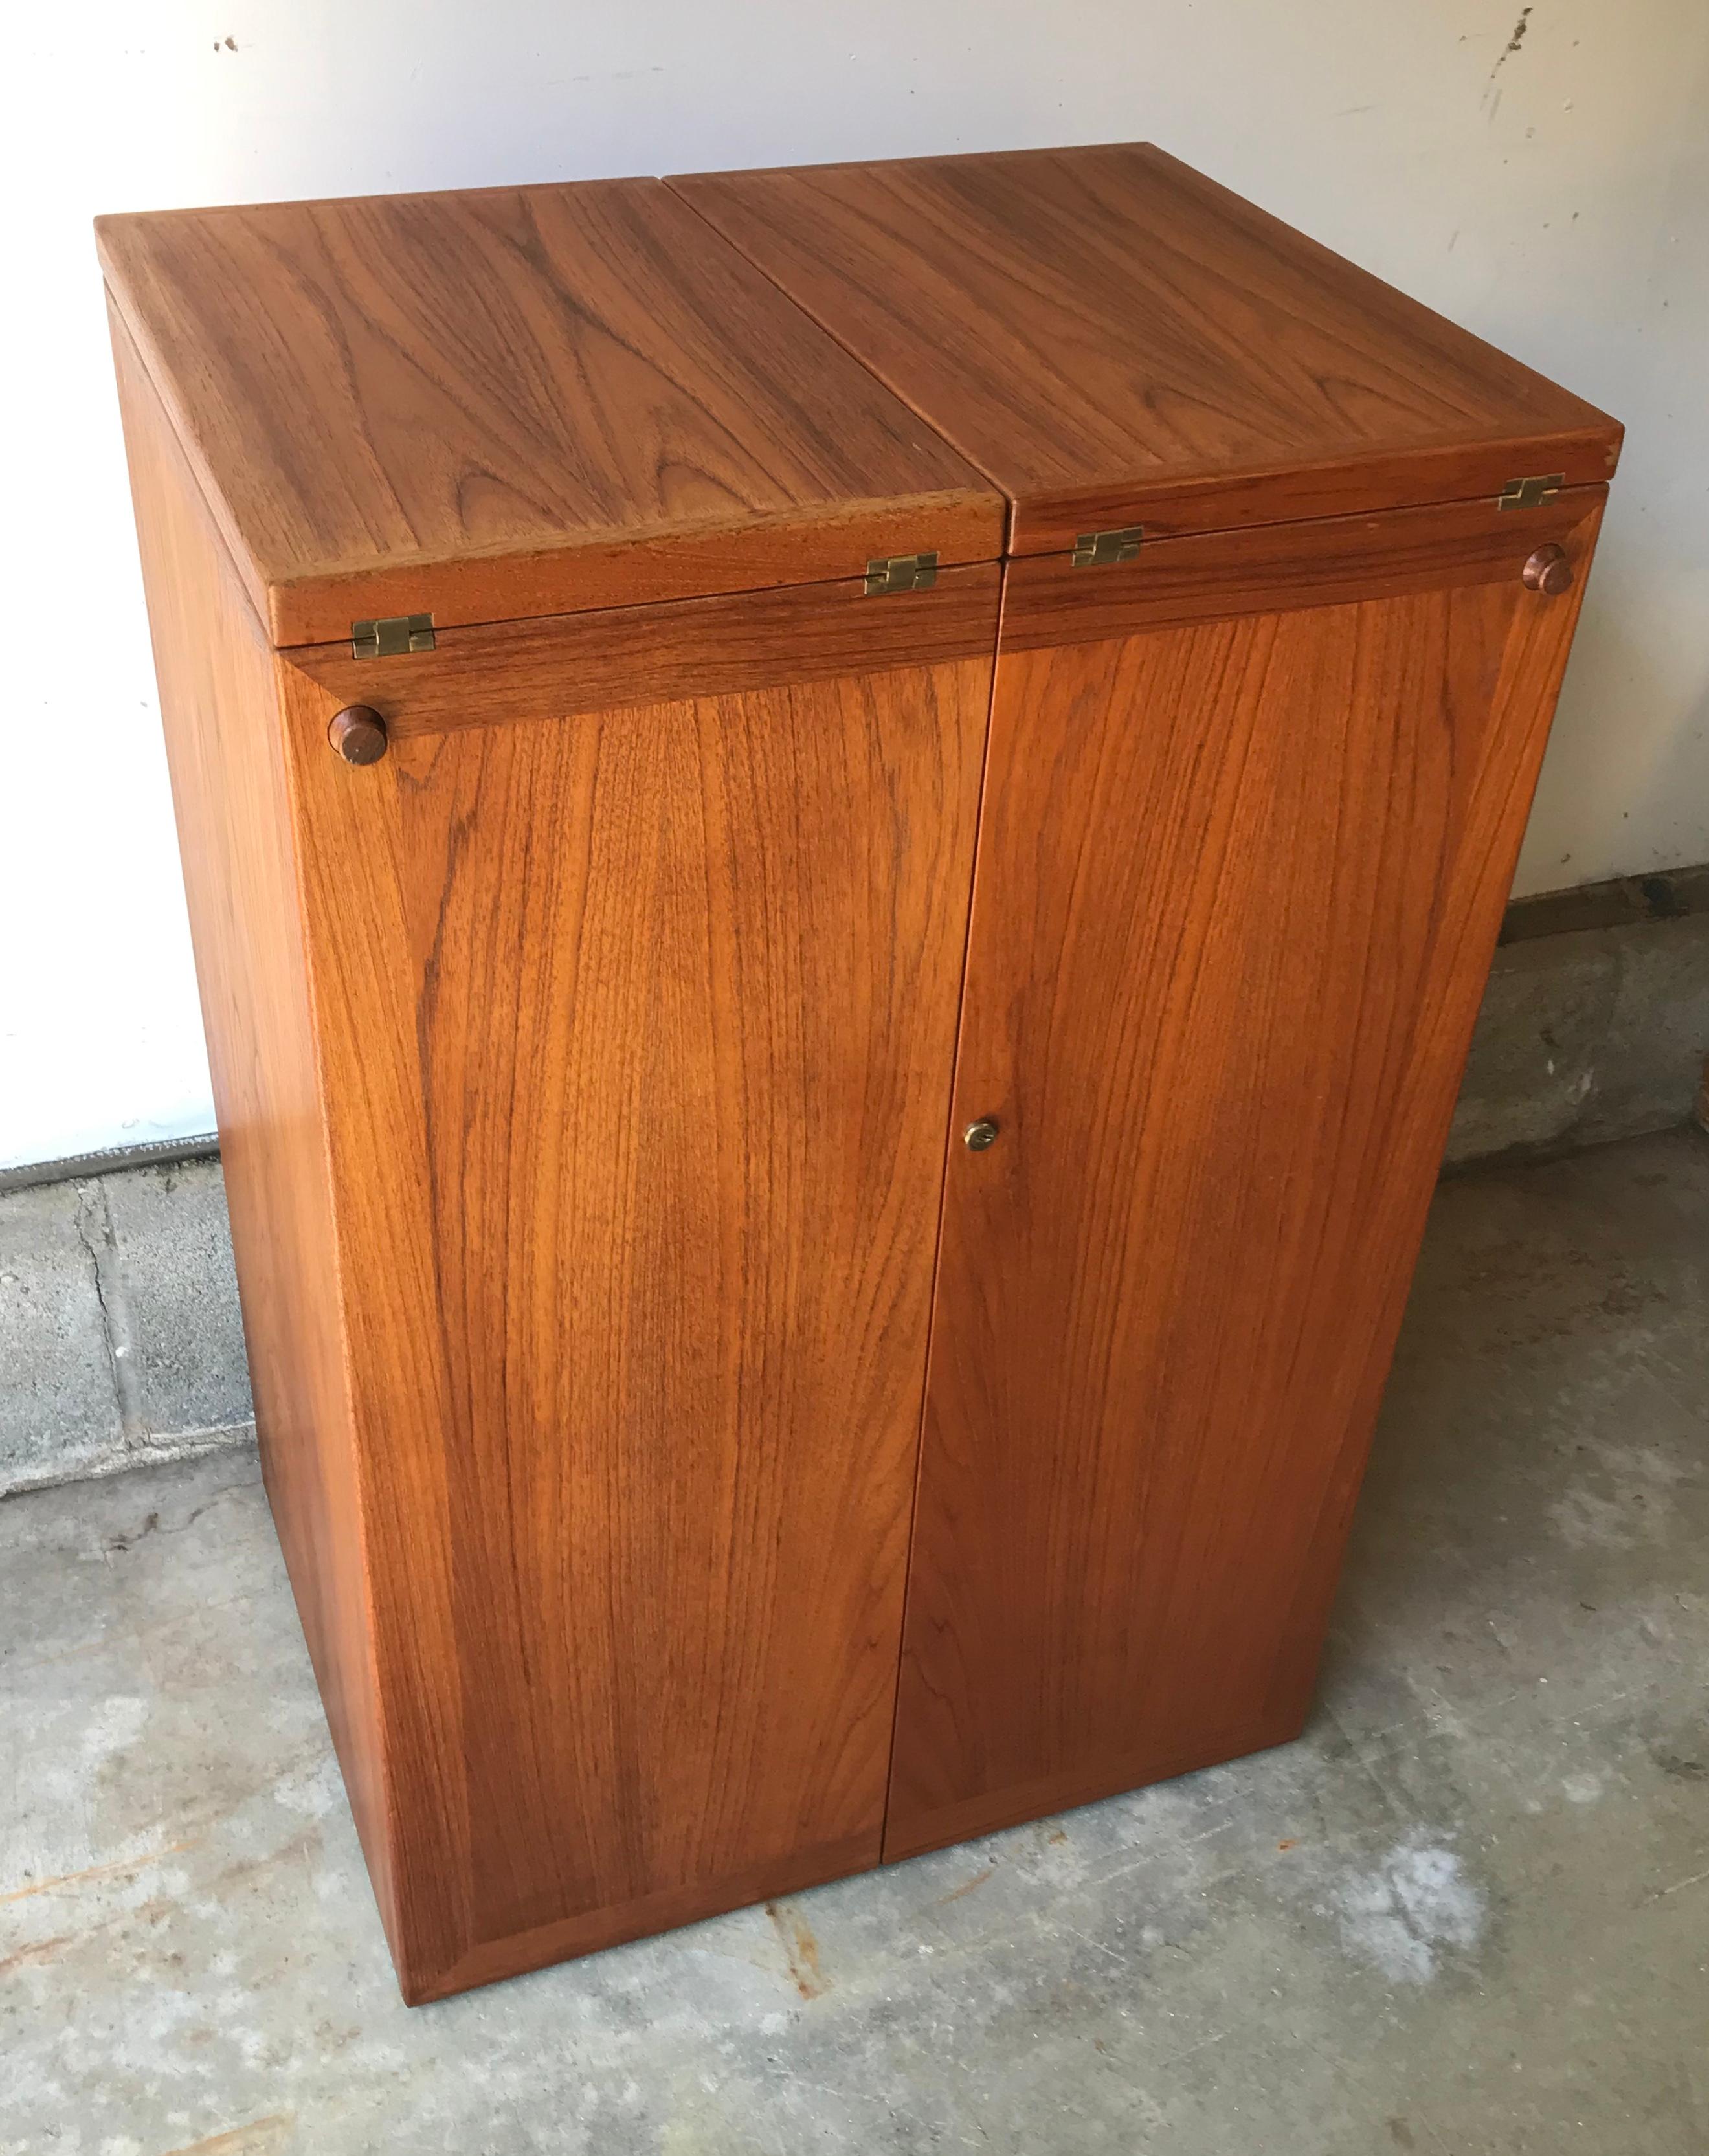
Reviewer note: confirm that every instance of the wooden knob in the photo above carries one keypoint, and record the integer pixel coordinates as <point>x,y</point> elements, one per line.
<point>1548,570</point>
<point>359,735</point>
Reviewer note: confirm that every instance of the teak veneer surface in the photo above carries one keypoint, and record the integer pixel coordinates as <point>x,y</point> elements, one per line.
<point>518,401</point>
<point>1239,884</point>
<point>1266,568</point>
<point>232,795</point>
<point>636,1030</point>
<point>561,665</point>
<point>1115,339</point>
<point>620,1296</point>
<point>581,1076</point>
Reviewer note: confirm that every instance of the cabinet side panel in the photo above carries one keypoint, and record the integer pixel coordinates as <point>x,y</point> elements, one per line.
<point>640,1027</point>
<point>220,706</point>
<point>1238,889</point>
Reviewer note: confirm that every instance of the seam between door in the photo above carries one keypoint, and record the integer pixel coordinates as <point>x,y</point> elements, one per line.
<point>942,1209</point>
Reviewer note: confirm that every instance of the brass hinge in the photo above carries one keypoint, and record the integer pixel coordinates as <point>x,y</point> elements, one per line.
<point>1529,493</point>
<point>390,638</point>
<point>901,572</point>
<point>1097,549</point>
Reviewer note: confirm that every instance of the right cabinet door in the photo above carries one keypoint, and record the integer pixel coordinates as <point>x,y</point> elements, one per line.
<point>1252,807</point>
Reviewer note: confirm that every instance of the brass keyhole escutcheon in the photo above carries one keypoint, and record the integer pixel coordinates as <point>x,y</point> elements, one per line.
<point>977,1137</point>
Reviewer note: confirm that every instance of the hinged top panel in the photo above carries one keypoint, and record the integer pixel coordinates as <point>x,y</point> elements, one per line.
<point>1117,341</point>
<point>516,401</point>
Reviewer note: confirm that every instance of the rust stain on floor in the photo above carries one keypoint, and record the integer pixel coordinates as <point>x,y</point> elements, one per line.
<point>967,1887</point>
<point>153,1911</point>
<point>243,1868</point>
<point>802,1948</point>
<point>42,1950</point>
<point>97,1871</point>
<point>259,2137</point>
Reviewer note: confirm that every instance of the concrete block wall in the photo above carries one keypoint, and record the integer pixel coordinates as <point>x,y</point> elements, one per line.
<point>1594,1023</point>
<point>120,1336</point>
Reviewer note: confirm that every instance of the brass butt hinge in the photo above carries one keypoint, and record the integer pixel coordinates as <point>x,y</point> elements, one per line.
<point>393,638</point>
<point>1531,493</point>
<point>901,572</point>
<point>1097,550</point>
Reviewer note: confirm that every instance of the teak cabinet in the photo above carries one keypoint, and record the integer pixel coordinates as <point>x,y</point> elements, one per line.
<point>843,828</point>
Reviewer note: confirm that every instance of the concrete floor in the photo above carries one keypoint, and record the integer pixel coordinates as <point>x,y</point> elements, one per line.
<point>1468,1912</point>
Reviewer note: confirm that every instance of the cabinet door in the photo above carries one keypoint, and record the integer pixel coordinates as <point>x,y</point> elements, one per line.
<point>1251,814</point>
<point>638,1026</point>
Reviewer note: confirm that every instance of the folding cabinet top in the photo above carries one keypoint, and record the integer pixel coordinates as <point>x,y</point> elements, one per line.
<point>522,401</point>
<point>518,401</point>
<point>1114,339</point>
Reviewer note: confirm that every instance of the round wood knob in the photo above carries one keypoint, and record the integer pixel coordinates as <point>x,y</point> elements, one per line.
<point>1548,570</point>
<point>359,735</point>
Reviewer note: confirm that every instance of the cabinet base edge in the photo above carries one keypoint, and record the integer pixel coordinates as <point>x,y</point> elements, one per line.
<point>990,1812</point>
<point>568,1938</point>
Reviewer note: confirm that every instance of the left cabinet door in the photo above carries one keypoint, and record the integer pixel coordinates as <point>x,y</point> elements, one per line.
<point>635,1027</point>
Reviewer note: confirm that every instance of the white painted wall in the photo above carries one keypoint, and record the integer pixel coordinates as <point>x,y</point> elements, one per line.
<point>1554,196</point>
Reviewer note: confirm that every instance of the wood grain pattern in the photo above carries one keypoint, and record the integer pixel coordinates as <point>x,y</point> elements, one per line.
<point>583,1063</point>
<point>232,794</point>
<point>769,1880</point>
<point>518,401</point>
<point>1115,340</point>
<point>637,1033</point>
<point>565,666</point>
<point>1238,886</point>
<point>1214,576</point>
